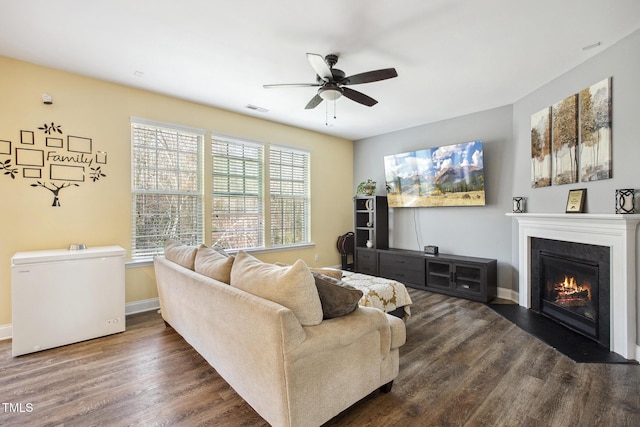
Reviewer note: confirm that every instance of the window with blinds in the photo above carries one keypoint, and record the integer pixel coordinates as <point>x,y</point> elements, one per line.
<point>289,196</point>
<point>237,196</point>
<point>166,186</point>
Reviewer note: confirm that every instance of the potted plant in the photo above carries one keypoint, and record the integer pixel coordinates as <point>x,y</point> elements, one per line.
<point>368,187</point>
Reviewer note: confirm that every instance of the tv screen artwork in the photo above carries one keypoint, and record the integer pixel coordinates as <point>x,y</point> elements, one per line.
<point>451,175</point>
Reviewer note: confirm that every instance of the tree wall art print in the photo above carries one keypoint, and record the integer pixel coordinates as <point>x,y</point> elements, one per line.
<point>564,140</point>
<point>571,140</point>
<point>595,132</point>
<point>541,148</point>
<point>51,160</point>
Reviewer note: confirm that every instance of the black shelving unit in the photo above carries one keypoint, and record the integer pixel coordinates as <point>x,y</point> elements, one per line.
<point>371,224</point>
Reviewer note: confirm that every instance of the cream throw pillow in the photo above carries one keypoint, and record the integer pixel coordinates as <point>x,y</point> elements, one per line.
<point>180,254</point>
<point>293,287</point>
<point>331,272</point>
<point>212,263</point>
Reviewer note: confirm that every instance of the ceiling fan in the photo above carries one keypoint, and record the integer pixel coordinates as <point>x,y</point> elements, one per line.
<point>332,82</point>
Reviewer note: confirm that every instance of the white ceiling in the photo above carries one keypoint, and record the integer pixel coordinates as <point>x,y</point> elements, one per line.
<point>453,57</point>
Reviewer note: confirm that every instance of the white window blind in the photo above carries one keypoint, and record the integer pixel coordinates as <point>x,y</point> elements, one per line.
<point>237,199</point>
<point>289,196</point>
<point>166,187</point>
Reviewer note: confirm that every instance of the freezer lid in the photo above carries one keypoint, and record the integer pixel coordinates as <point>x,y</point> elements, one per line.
<point>53,255</point>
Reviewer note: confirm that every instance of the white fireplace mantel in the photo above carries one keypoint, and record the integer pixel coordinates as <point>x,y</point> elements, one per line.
<point>618,232</point>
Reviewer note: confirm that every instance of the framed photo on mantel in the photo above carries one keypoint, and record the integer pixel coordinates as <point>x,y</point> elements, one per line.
<point>575,201</point>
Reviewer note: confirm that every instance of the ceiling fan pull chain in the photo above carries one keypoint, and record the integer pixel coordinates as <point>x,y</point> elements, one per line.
<point>326,114</point>
<point>334,110</point>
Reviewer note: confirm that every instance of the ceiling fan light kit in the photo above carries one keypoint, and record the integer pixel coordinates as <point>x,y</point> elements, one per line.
<point>330,92</point>
<point>331,81</point>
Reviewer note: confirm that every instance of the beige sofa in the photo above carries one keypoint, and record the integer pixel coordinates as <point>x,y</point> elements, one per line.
<point>292,374</point>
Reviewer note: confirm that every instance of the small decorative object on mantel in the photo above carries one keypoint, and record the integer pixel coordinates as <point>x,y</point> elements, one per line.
<point>575,201</point>
<point>625,201</point>
<point>367,188</point>
<point>518,204</point>
<point>369,244</point>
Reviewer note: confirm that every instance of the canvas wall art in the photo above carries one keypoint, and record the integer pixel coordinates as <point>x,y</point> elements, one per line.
<point>564,140</point>
<point>595,132</point>
<point>571,141</point>
<point>541,148</point>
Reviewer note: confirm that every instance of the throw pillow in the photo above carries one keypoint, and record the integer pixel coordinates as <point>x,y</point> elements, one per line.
<point>331,272</point>
<point>337,298</point>
<point>292,287</point>
<point>220,250</point>
<point>180,254</point>
<point>212,263</point>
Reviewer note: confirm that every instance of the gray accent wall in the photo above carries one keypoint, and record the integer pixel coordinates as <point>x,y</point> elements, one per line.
<point>486,231</point>
<point>481,231</point>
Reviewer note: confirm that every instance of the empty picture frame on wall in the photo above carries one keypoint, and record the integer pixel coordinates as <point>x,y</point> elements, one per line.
<point>541,148</point>
<point>595,132</point>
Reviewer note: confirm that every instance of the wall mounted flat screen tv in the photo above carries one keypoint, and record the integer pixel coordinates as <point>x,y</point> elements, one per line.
<point>451,175</point>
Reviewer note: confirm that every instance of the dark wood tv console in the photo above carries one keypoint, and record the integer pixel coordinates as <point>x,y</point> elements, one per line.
<point>461,276</point>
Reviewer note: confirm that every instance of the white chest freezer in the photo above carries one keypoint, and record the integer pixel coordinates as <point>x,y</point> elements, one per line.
<point>62,296</point>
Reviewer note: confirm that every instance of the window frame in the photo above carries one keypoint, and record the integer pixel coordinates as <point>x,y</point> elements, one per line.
<point>267,216</point>
<point>300,194</point>
<point>195,196</point>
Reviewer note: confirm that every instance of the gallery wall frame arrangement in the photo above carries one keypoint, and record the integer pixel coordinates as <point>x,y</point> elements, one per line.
<point>50,160</point>
<point>571,140</point>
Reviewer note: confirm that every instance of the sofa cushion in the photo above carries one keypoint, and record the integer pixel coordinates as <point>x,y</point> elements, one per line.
<point>337,298</point>
<point>293,287</point>
<point>212,263</point>
<point>180,253</point>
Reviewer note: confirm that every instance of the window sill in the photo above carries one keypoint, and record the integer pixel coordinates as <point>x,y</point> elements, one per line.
<point>148,262</point>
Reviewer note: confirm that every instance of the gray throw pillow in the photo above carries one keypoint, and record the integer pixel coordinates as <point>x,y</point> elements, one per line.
<point>337,298</point>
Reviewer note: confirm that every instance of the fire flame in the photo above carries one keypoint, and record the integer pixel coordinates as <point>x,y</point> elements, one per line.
<point>570,292</point>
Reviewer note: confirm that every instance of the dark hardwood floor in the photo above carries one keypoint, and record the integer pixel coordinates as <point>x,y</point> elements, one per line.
<point>463,365</point>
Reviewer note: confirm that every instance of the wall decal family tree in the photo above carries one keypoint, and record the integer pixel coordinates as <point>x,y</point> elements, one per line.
<point>51,160</point>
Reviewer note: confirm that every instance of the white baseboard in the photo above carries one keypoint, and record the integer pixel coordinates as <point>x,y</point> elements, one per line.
<point>141,306</point>
<point>509,294</point>
<point>6,331</point>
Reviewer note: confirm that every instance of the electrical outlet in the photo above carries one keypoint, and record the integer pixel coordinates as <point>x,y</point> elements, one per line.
<point>113,321</point>
<point>317,258</point>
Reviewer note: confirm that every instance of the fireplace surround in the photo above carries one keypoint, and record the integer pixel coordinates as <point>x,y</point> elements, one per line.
<point>570,285</point>
<point>615,231</point>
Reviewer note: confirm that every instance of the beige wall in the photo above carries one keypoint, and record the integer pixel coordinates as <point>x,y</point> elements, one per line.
<point>98,213</point>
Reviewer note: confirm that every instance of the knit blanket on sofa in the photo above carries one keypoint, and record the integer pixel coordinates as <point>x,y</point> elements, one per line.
<point>385,294</point>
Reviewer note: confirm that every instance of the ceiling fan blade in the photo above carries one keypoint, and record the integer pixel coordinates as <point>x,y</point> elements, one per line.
<point>314,102</point>
<point>275,86</point>
<point>320,66</point>
<point>291,85</point>
<point>370,76</point>
<point>359,97</point>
